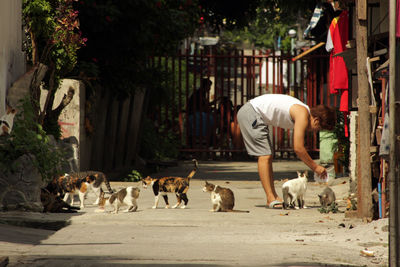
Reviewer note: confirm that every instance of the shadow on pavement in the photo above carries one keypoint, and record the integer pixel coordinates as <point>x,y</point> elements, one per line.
<point>239,171</point>
<point>31,228</point>
<point>121,261</point>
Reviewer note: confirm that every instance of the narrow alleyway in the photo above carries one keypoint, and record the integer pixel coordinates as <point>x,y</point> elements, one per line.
<point>196,236</point>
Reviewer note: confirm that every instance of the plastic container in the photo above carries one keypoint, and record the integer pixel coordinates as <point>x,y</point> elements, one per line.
<point>330,175</point>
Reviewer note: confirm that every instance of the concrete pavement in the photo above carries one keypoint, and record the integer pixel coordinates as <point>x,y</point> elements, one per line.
<point>197,237</point>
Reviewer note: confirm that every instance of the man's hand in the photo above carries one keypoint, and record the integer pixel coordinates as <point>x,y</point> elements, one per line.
<point>321,171</point>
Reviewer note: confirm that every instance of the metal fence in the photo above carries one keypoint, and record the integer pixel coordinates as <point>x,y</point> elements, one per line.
<point>237,76</point>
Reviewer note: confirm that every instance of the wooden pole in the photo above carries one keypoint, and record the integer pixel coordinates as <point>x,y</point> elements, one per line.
<point>364,201</point>
<point>308,51</point>
<point>394,141</point>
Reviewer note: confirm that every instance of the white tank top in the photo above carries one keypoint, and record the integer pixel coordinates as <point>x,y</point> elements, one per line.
<point>274,109</point>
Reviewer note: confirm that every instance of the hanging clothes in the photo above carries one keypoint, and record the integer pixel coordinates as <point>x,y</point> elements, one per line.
<point>338,75</point>
<point>398,19</point>
<point>336,43</point>
<point>317,29</point>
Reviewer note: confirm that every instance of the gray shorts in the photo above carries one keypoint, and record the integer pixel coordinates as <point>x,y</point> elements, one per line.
<point>254,131</point>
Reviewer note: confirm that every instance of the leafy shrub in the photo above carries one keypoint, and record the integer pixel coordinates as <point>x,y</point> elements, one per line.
<point>28,137</point>
<point>134,176</point>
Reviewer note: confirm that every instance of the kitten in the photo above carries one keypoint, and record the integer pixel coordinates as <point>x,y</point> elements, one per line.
<point>327,197</point>
<point>79,182</point>
<point>222,198</point>
<point>177,185</point>
<point>295,189</point>
<point>7,121</point>
<point>124,197</point>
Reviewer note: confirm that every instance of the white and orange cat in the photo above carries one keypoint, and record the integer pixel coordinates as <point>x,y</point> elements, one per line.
<point>295,189</point>
<point>125,197</point>
<point>7,121</point>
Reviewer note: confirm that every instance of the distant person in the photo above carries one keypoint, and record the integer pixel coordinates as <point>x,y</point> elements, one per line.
<point>200,112</point>
<point>286,112</point>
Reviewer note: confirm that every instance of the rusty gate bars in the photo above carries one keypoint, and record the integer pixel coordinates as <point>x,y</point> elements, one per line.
<point>232,72</point>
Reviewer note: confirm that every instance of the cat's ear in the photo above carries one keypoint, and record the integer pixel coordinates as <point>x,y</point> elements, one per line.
<point>306,173</point>
<point>298,173</point>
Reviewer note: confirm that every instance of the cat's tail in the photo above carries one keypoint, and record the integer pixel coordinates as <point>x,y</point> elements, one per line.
<point>107,183</point>
<point>242,211</point>
<point>193,172</point>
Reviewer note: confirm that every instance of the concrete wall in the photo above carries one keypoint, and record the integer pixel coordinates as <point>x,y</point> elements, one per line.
<point>12,58</point>
<point>72,122</point>
<point>353,151</point>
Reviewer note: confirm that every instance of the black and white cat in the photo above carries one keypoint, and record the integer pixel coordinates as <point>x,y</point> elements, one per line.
<point>222,198</point>
<point>125,197</point>
<point>295,189</point>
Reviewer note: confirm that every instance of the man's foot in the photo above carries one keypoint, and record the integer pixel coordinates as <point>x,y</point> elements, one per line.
<point>276,204</point>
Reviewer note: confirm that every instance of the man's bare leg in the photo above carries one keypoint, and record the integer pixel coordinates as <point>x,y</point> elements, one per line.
<point>267,181</point>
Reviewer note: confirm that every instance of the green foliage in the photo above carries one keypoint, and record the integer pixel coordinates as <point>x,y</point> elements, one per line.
<point>134,176</point>
<point>28,138</point>
<point>270,20</point>
<point>53,30</point>
<point>343,144</point>
<point>333,207</point>
<point>124,35</point>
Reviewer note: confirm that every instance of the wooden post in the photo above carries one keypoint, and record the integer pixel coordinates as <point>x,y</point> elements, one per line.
<point>364,201</point>
<point>394,140</point>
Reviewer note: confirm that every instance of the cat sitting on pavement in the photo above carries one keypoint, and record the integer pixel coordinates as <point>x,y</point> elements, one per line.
<point>222,198</point>
<point>295,189</point>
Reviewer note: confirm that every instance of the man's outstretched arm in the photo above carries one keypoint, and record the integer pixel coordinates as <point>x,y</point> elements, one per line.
<point>301,119</point>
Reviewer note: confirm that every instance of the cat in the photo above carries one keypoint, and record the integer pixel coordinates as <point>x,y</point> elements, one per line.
<point>327,197</point>
<point>295,189</point>
<point>222,198</point>
<point>124,197</point>
<point>79,182</point>
<point>7,121</point>
<point>164,185</point>
<point>54,204</point>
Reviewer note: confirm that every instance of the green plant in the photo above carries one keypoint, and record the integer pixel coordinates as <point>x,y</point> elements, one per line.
<point>52,27</point>
<point>333,207</point>
<point>134,176</point>
<point>343,144</point>
<point>28,138</point>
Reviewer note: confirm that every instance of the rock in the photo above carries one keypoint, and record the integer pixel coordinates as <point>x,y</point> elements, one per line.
<point>20,189</point>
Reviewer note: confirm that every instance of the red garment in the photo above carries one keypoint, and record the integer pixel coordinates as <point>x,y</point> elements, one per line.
<point>338,75</point>
<point>336,43</point>
<point>344,108</point>
<point>398,19</point>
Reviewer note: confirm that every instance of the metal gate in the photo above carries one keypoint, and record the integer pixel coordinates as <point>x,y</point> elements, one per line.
<point>237,76</point>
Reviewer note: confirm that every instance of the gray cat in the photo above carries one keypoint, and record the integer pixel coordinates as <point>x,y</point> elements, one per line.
<point>327,197</point>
